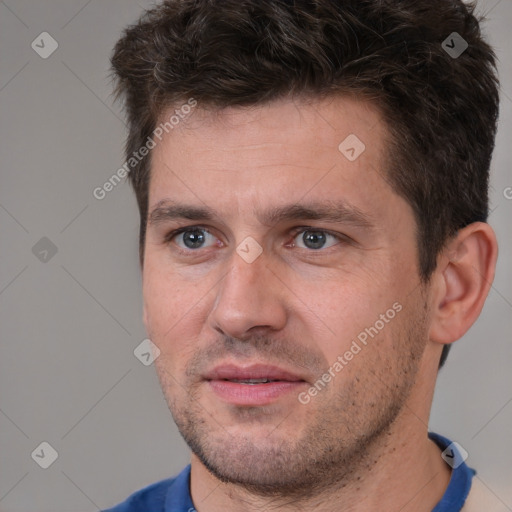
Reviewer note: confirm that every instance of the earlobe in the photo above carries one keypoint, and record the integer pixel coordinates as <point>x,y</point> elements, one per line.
<point>463,279</point>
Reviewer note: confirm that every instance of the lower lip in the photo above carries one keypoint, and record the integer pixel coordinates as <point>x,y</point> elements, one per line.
<point>253,394</point>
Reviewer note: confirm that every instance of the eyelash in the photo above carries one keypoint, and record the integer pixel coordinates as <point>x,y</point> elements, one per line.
<point>171,235</point>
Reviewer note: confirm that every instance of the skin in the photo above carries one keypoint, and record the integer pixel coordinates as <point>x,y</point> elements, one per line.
<point>362,440</point>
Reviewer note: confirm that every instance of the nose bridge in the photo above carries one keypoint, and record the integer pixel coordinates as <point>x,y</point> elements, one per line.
<point>248,296</point>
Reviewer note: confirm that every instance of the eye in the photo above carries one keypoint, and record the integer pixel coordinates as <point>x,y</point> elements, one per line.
<point>191,238</point>
<point>315,239</point>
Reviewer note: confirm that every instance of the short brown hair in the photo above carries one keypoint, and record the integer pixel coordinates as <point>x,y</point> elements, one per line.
<point>440,108</point>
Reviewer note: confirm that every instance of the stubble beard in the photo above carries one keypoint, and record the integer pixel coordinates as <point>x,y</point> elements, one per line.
<point>337,446</point>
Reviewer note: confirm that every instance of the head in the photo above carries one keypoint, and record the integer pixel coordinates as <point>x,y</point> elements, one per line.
<point>267,98</point>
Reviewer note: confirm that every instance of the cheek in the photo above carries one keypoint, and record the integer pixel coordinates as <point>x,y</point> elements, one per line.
<point>167,306</point>
<point>342,313</point>
<point>170,324</point>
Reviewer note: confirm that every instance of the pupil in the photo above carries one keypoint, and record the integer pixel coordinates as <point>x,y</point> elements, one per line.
<point>193,239</point>
<point>313,239</point>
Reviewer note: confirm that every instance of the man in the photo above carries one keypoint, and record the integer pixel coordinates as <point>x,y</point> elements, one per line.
<point>312,183</point>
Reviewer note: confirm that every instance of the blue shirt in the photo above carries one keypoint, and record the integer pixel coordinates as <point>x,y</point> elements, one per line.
<point>173,494</point>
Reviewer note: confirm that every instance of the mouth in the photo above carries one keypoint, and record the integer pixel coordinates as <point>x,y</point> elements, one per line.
<point>252,385</point>
<point>252,381</point>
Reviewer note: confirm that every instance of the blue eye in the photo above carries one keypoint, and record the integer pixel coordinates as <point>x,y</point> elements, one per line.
<point>192,238</point>
<point>315,239</point>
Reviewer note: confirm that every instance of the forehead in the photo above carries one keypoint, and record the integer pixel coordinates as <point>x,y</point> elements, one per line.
<point>319,122</point>
<point>242,158</point>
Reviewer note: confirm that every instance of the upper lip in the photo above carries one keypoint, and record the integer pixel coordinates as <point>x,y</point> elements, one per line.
<point>254,371</point>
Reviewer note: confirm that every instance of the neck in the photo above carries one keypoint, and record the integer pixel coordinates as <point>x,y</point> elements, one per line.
<point>402,470</point>
<point>406,474</point>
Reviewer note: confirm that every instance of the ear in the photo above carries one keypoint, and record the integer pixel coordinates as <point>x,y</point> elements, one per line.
<point>462,280</point>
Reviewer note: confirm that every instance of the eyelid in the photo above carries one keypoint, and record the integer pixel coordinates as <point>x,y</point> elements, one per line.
<point>339,236</point>
<point>175,232</point>
<point>294,232</point>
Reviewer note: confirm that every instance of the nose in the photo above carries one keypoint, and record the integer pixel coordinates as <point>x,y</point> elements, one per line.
<point>249,297</point>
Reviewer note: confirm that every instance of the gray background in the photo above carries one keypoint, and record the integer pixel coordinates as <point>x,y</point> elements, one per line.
<point>69,325</point>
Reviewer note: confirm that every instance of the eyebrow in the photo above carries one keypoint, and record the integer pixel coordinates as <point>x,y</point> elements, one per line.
<point>328,211</point>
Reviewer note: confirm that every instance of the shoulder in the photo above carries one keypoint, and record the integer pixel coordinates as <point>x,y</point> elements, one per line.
<point>482,498</point>
<point>466,491</point>
<point>151,497</point>
<point>159,496</point>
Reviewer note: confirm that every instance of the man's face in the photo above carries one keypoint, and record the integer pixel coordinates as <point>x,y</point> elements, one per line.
<point>263,289</point>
